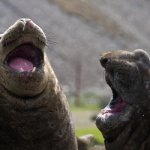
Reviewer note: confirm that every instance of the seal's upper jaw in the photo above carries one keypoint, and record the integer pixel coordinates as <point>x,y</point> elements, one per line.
<point>117,103</point>
<point>23,46</point>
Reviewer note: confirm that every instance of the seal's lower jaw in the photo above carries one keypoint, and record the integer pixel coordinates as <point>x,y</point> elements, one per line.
<point>26,58</point>
<point>114,116</point>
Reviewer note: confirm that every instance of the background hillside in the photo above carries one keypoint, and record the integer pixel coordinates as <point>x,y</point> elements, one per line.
<point>78,30</point>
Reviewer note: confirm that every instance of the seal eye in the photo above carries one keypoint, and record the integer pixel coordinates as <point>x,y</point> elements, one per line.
<point>24,58</point>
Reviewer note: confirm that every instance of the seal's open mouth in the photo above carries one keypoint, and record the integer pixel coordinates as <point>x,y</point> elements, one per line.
<point>24,58</point>
<point>117,103</point>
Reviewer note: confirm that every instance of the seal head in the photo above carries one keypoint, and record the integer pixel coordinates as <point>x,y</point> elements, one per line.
<point>22,57</point>
<point>128,75</point>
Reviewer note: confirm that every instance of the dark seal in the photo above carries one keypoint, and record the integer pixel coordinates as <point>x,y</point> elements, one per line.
<point>34,113</point>
<point>125,121</point>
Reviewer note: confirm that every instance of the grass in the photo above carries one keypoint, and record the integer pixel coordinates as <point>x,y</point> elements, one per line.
<point>89,103</point>
<point>91,107</point>
<point>97,134</point>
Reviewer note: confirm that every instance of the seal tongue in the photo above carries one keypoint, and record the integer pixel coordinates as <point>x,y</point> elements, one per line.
<point>21,64</point>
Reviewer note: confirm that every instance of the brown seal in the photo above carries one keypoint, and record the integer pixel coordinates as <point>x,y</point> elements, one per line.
<point>125,121</point>
<point>34,112</point>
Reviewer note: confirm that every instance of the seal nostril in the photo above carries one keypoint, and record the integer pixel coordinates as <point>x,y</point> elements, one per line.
<point>104,61</point>
<point>29,24</point>
<point>22,20</point>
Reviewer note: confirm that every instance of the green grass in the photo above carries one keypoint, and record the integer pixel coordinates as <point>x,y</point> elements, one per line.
<point>85,107</point>
<point>88,103</point>
<point>97,134</point>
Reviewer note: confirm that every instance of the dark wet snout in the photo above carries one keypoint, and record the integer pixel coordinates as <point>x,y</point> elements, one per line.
<point>104,61</point>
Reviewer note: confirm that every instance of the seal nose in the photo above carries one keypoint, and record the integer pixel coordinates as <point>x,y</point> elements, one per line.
<point>25,20</point>
<point>104,61</point>
<point>28,23</point>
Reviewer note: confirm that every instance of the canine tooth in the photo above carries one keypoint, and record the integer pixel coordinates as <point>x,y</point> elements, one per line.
<point>33,69</point>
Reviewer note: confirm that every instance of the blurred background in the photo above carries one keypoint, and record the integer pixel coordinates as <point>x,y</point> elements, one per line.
<point>78,31</point>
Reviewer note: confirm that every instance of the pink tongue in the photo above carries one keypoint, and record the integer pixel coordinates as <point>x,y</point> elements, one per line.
<point>21,64</point>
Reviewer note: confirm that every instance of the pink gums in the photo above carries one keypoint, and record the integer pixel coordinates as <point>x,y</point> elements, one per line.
<point>119,107</point>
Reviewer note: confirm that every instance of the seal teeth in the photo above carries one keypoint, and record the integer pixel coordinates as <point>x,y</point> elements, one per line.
<point>34,68</point>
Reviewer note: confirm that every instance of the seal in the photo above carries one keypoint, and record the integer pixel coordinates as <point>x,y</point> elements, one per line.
<point>125,121</point>
<point>34,112</point>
